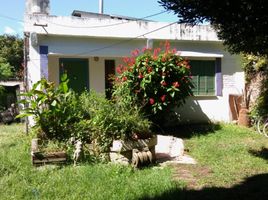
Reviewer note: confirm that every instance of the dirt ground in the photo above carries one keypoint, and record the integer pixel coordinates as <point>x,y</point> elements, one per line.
<point>190,174</point>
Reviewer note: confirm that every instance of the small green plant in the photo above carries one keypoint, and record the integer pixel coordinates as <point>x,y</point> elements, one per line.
<point>154,80</point>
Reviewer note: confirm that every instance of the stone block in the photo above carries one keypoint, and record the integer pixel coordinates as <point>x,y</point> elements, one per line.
<point>169,146</point>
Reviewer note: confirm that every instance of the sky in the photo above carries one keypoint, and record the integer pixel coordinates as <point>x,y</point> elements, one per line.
<point>12,11</point>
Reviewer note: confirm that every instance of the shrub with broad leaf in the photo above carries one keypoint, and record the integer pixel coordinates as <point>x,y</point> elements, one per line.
<point>154,79</point>
<point>57,111</point>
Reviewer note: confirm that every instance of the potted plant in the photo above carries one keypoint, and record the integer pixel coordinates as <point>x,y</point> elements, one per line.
<point>243,117</point>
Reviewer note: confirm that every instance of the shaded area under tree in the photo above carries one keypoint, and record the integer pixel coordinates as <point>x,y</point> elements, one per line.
<point>254,187</point>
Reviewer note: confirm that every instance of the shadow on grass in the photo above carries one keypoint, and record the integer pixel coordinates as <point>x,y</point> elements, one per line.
<point>263,153</point>
<point>254,188</point>
<point>188,130</point>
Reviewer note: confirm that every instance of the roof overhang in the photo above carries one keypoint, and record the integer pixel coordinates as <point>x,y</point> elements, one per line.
<point>10,83</point>
<point>199,54</point>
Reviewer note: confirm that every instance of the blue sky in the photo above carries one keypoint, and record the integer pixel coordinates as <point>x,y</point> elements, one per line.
<point>11,12</point>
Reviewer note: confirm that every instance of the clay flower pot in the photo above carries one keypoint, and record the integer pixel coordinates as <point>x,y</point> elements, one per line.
<point>243,118</point>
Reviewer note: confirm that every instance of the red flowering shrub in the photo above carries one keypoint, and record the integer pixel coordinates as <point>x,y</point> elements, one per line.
<point>154,79</point>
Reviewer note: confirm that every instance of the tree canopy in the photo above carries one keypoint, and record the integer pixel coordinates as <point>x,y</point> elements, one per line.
<point>5,69</point>
<point>240,23</point>
<point>11,56</point>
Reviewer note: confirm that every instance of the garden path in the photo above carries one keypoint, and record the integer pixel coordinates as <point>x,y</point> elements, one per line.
<point>170,151</point>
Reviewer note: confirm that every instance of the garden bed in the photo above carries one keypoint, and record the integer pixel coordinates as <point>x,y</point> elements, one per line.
<point>40,158</point>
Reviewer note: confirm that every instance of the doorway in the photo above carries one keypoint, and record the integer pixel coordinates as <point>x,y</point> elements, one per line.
<point>109,74</point>
<point>77,73</point>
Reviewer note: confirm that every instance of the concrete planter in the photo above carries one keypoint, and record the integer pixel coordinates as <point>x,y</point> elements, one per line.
<point>136,152</point>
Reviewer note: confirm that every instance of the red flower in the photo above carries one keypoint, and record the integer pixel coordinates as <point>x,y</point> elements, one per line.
<point>124,78</point>
<point>125,59</point>
<point>188,66</point>
<point>156,52</point>
<point>135,52</point>
<point>119,69</point>
<point>131,61</point>
<point>125,69</point>
<point>144,49</point>
<point>150,69</point>
<point>185,62</point>
<point>140,76</point>
<point>163,83</point>
<point>163,98</point>
<point>167,46</point>
<point>176,84</point>
<point>151,100</point>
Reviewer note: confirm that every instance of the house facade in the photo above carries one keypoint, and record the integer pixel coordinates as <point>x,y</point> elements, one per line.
<point>89,46</point>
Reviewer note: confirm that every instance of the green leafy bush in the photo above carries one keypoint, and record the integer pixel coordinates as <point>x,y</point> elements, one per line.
<point>61,114</point>
<point>154,80</point>
<point>5,69</point>
<point>253,64</point>
<point>56,110</point>
<point>256,66</point>
<point>111,120</point>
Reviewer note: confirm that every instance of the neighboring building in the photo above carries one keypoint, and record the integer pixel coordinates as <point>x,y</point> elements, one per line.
<point>89,46</point>
<point>10,94</point>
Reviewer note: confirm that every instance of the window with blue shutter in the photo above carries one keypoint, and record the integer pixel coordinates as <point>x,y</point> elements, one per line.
<point>203,74</point>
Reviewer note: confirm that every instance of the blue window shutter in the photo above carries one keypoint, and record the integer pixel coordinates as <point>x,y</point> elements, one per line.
<point>43,51</point>
<point>218,77</point>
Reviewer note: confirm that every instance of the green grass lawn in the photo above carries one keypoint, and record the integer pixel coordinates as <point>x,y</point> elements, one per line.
<point>232,164</point>
<point>232,154</point>
<point>20,180</point>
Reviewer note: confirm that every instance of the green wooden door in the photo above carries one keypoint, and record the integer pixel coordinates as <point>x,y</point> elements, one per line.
<point>77,72</point>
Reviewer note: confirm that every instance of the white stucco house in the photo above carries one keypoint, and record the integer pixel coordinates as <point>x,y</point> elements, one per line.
<point>90,45</point>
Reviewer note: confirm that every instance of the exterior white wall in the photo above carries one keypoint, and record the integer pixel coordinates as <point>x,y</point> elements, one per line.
<point>202,108</point>
<point>97,74</point>
<point>115,28</point>
<point>85,47</point>
<point>96,71</point>
<point>33,65</point>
